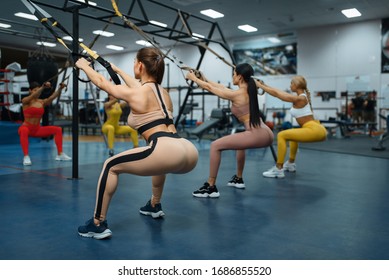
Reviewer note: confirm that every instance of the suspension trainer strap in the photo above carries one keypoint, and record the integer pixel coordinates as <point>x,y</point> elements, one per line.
<point>45,19</point>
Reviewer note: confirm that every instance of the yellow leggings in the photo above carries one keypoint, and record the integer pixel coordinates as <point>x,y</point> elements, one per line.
<point>311,131</point>
<point>111,131</point>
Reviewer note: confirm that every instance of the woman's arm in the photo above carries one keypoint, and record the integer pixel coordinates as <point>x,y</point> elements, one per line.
<point>118,91</point>
<point>280,94</point>
<point>129,80</point>
<point>34,95</point>
<point>215,88</point>
<point>56,94</point>
<point>109,103</point>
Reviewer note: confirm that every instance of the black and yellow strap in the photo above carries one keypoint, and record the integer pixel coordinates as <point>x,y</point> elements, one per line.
<point>155,44</point>
<point>49,22</point>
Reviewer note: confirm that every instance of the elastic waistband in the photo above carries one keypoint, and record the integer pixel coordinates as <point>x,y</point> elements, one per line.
<point>162,134</point>
<point>312,122</point>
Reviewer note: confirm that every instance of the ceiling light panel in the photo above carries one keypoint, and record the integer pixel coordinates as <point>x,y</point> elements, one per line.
<point>247,28</point>
<point>212,13</point>
<point>350,13</point>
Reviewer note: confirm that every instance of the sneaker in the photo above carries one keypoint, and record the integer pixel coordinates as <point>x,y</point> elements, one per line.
<point>91,230</point>
<point>274,172</point>
<point>111,152</point>
<point>288,166</point>
<point>207,191</point>
<point>236,182</point>
<point>63,156</point>
<point>149,210</point>
<point>27,160</point>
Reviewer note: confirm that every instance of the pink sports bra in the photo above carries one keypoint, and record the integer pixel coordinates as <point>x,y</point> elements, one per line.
<point>242,113</point>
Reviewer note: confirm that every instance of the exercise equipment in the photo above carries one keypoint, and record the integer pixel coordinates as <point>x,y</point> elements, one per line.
<point>218,118</point>
<point>49,22</point>
<point>383,137</point>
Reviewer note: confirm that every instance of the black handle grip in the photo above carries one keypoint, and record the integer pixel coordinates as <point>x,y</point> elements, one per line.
<point>107,65</point>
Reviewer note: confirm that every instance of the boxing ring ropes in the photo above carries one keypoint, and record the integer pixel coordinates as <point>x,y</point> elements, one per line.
<point>78,9</point>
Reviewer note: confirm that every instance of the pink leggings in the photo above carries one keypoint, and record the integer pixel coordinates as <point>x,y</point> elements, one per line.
<point>254,137</point>
<point>27,130</point>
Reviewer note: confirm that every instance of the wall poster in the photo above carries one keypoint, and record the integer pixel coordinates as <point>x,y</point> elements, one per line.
<point>278,60</point>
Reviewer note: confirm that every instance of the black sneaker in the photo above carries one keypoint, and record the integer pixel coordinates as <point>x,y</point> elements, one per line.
<point>91,230</point>
<point>207,191</point>
<point>236,182</point>
<point>149,210</point>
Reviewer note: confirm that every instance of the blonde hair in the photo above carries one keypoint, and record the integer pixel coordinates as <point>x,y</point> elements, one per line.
<point>301,83</point>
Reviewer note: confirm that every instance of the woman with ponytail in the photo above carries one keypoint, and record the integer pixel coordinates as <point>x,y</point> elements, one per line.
<point>245,108</point>
<point>310,130</point>
<point>152,116</point>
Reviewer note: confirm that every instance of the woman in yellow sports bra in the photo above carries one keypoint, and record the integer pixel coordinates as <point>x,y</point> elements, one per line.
<point>111,127</point>
<point>310,130</point>
<point>152,115</point>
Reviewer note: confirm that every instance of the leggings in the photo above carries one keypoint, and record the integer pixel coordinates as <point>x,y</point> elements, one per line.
<point>31,130</point>
<point>254,137</point>
<point>311,131</point>
<point>166,153</point>
<point>111,131</point>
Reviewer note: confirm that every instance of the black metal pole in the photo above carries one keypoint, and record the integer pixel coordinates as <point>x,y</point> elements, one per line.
<point>75,96</point>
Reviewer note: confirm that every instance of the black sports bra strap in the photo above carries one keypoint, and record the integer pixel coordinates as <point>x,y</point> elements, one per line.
<point>162,103</point>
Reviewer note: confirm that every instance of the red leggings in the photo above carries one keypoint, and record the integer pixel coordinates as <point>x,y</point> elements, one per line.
<point>27,130</point>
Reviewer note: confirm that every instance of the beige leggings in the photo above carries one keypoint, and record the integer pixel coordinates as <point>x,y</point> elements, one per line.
<point>166,153</point>
<point>311,131</point>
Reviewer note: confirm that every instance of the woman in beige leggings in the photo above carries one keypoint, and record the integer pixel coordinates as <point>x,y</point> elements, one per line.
<point>151,115</point>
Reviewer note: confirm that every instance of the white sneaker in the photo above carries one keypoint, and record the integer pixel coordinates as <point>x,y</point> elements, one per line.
<point>288,166</point>
<point>63,156</point>
<point>274,172</point>
<point>27,160</point>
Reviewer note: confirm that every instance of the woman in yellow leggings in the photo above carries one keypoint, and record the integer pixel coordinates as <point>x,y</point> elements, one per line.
<point>310,130</point>
<point>111,127</point>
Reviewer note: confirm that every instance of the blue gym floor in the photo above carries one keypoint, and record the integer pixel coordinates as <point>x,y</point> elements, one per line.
<point>335,207</point>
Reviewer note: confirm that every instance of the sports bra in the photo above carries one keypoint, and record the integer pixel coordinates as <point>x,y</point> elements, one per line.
<point>242,113</point>
<point>301,112</point>
<point>34,112</point>
<point>145,121</point>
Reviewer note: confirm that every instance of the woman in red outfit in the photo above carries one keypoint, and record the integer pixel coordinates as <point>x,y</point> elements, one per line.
<point>33,109</point>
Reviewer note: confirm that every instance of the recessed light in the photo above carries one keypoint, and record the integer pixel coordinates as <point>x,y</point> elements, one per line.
<point>350,13</point>
<point>27,16</point>
<point>158,23</point>
<point>114,47</point>
<point>197,36</point>
<point>89,2</point>
<point>103,33</point>
<point>46,44</point>
<point>4,25</point>
<point>143,43</point>
<point>212,13</point>
<point>68,38</point>
<point>247,28</point>
<point>274,40</point>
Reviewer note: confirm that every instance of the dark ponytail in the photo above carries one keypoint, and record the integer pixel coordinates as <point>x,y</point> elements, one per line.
<point>246,71</point>
<point>152,58</point>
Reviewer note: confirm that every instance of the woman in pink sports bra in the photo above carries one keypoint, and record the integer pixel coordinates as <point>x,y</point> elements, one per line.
<point>33,109</point>
<point>152,115</point>
<point>245,108</point>
<point>310,130</point>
